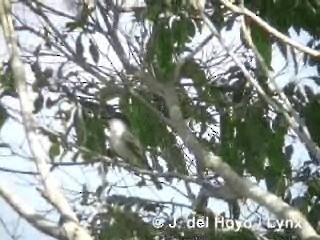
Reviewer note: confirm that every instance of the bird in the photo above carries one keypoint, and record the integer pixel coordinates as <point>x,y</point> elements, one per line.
<point>124,144</point>
<point>122,141</point>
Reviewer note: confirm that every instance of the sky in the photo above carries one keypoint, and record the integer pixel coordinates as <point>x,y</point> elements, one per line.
<point>74,177</point>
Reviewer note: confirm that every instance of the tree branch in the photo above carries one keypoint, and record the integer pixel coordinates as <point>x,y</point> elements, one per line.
<point>250,190</point>
<point>17,171</point>
<point>245,187</point>
<point>290,114</point>
<point>29,214</point>
<point>271,30</point>
<point>41,158</point>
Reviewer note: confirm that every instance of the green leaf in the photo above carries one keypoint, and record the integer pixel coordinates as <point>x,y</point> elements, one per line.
<point>73,25</point>
<point>191,28</point>
<point>145,124</point>
<point>125,225</point>
<point>90,134</point>
<point>251,137</point>
<point>314,188</point>
<point>153,133</point>
<point>183,30</point>
<point>283,14</point>
<point>164,47</point>
<point>302,203</point>
<point>279,163</point>
<point>7,83</point>
<point>153,10</point>
<point>230,149</point>
<point>173,154</point>
<point>272,179</point>
<point>192,69</point>
<point>312,119</point>
<point>281,186</point>
<point>314,216</point>
<point>261,40</point>
<point>3,115</point>
<point>54,150</point>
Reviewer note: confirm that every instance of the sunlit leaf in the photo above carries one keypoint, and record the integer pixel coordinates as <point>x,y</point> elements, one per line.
<point>54,150</point>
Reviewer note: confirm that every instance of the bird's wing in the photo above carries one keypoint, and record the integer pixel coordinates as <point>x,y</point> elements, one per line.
<point>133,143</point>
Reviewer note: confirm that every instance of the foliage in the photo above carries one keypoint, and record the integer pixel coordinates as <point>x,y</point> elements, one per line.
<point>301,15</point>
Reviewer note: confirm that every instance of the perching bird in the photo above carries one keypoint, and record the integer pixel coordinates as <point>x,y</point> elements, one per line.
<point>125,145</point>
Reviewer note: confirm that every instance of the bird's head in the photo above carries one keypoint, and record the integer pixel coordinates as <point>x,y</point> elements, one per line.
<point>118,123</point>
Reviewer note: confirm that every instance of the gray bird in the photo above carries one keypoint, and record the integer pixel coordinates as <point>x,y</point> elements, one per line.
<point>125,145</point>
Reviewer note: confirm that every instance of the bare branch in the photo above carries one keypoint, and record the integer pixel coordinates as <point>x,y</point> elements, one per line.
<point>114,40</point>
<point>17,171</point>
<point>29,214</point>
<point>41,158</point>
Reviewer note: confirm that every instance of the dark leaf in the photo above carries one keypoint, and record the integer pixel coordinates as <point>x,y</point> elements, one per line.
<point>3,115</point>
<point>38,103</point>
<point>79,47</point>
<point>261,40</point>
<point>312,119</point>
<point>316,79</point>
<point>93,49</point>
<point>283,49</point>
<point>50,103</point>
<point>7,83</point>
<point>288,151</point>
<point>314,215</point>
<point>314,188</point>
<point>271,180</point>
<point>164,49</point>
